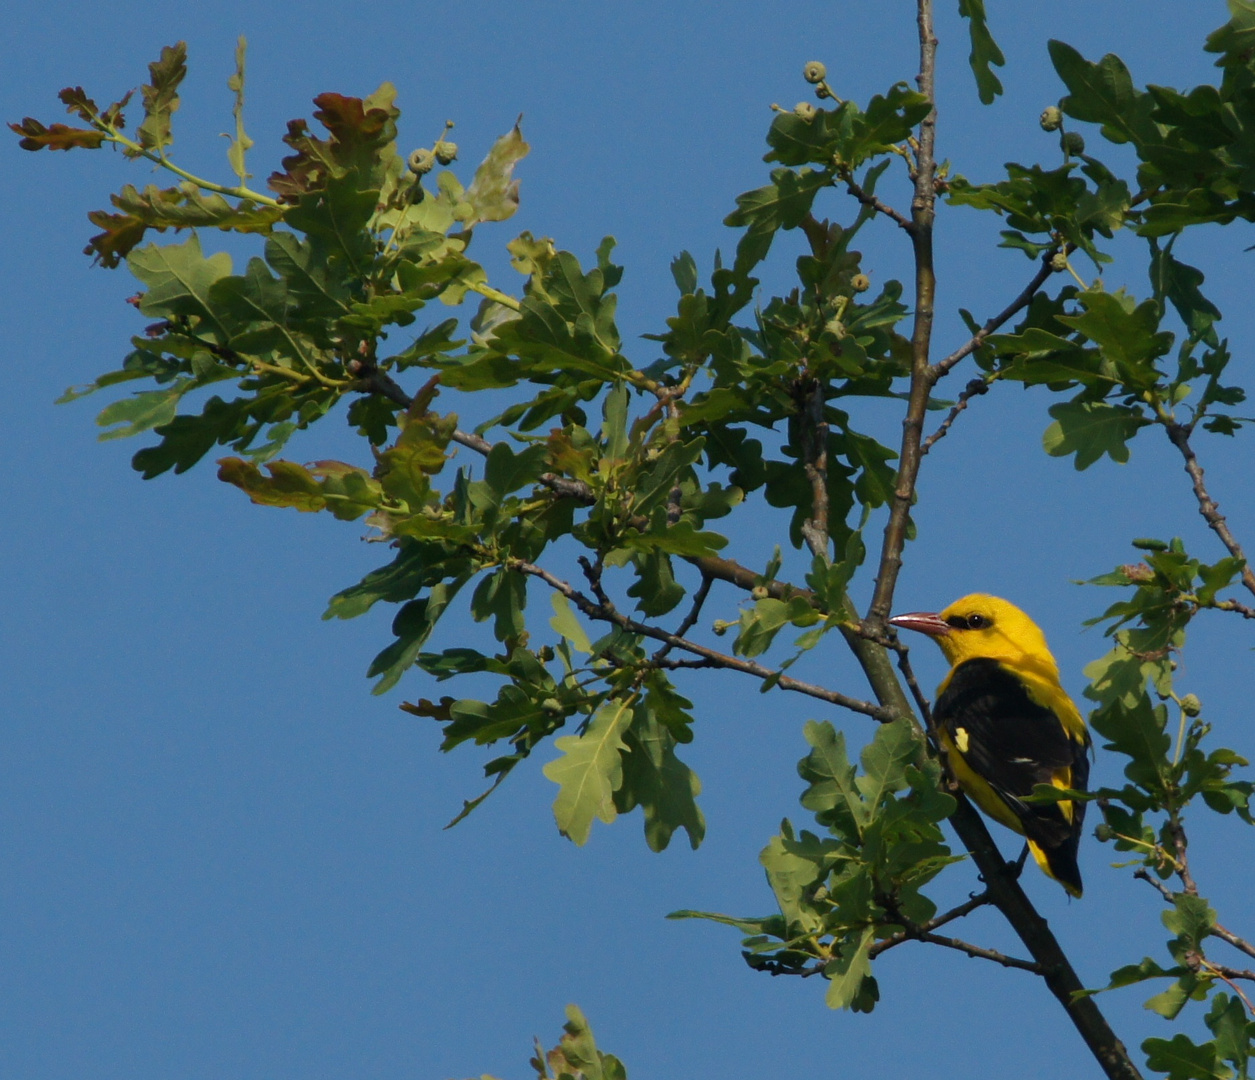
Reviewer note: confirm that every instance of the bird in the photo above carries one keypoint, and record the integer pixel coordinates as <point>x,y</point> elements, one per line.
<point>1006,725</point>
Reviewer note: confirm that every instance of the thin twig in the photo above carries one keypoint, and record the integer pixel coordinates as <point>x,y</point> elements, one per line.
<point>912,683</point>
<point>1216,929</point>
<point>1018,304</point>
<point>983,953</point>
<point>965,908</point>
<point>974,388</point>
<point>1142,874</point>
<point>1179,435</point>
<point>694,612</point>
<point>869,200</point>
<point>594,609</point>
<point>912,931</point>
<point>1226,972</point>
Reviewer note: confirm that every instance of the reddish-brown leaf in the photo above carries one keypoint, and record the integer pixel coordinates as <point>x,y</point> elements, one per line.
<point>121,233</point>
<point>58,137</point>
<point>359,131</point>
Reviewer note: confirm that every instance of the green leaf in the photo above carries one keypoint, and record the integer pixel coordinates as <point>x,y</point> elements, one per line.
<point>576,1057</point>
<point>1228,1023</point>
<point>1138,732</point>
<point>161,97</point>
<point>1128,336</point>
<point>178,279</point>
<point>567,624</point>
<point>885,760</point>
<point>590,771</point>
<point>1090,429</point>
<point>289,484</point>
<point>655,589</point>
<point>1179,283</point>
<point>412,627</point>
<point>781,204</point>
<point>142,411</point>
<point>851,985</point>
<point>505,471</point>
<point>1183,1059</point>
<point>659,782</point>
<point>833,797</point>
<point>502,595</point>
<point>985,54</point>
<point>1103,93</point>
<point>793,868</point>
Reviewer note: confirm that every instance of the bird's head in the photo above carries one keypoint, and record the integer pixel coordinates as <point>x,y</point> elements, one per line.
<point>987,627</point>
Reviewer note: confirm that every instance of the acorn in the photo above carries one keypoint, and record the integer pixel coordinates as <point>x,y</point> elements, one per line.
<point>805,110</point>
<point>860,283</point>
<point>1058,261</point>
<point>446,152</point>
<point>1071,143</point>
<point>759,592</point>
<point>814,72</point>
<point>1051,118</point>
<point>422,161</point>
<point>1190,705</point>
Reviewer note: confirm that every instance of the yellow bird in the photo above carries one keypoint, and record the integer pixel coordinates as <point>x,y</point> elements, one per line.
<point>1008,725</point>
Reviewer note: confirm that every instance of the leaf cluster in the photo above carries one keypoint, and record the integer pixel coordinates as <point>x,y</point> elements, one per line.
<point>842,893</point>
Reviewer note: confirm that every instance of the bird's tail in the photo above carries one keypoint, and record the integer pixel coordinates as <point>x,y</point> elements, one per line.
<point>1059,862</point>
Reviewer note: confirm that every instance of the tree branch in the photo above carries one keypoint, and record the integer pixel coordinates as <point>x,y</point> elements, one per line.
<point>1179,435</point>
<point>982,953</point>
<point>606,612</point>
<point>815,462</point>
<point>1238,943</point>
<point>1004,890</point>
<point>942,367</point>
<point>974,388</point>
<point>699,598</point>
<point>869,200</point>
<point>965,908</point>
<point>1216,930</point>
<point>923,209</point>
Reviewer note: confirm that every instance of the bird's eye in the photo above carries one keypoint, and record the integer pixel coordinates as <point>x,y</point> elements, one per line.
<point>978,622</point>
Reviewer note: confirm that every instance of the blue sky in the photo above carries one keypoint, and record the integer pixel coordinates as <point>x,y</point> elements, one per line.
<point>220,856</point>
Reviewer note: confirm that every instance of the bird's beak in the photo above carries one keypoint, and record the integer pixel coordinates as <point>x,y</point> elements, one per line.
<point>926,622</point>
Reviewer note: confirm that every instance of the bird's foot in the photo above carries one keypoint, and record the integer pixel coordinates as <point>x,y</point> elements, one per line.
<point>1014,869</point>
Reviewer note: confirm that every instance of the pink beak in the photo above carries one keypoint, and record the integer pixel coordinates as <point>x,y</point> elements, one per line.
<point>926,622</point>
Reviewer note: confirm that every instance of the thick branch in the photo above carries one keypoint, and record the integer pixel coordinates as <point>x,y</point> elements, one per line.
<point>1179,435</point>
<point>923,207</point>
<point>815,458</point>
<point>1004,890</point>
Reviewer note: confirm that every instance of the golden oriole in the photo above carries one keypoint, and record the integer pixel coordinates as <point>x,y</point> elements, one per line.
<point>1007,725</point>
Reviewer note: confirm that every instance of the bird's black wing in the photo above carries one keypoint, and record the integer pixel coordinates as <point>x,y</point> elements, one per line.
<point>1013,743</point>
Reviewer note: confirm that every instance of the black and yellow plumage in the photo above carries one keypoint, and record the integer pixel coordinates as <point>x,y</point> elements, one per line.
<point>1007,725</point>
